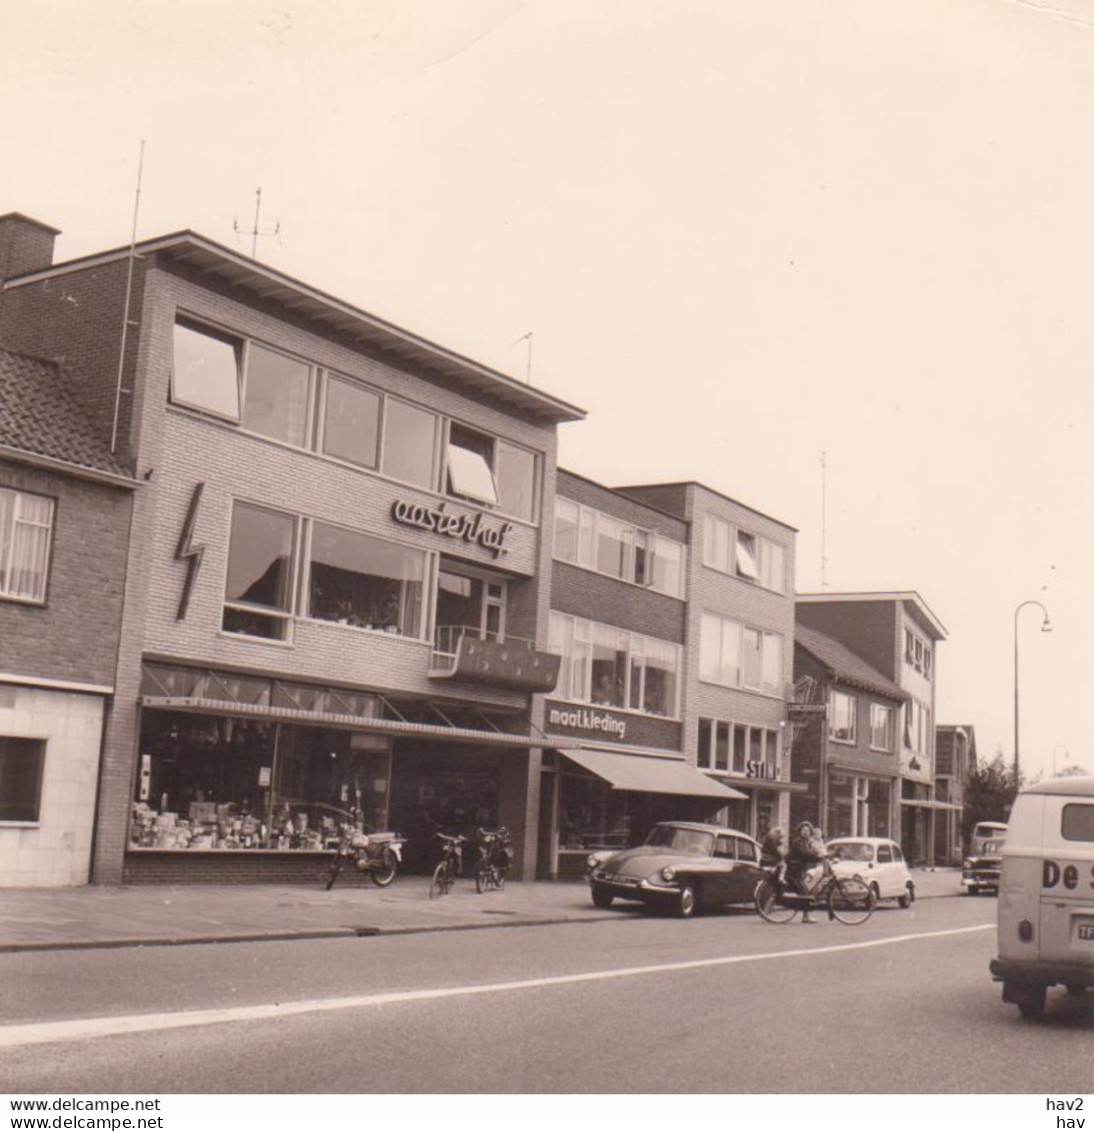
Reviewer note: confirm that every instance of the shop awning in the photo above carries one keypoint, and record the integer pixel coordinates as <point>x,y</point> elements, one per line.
<point>348,722</point>
<point>916,803</point>
<point>650,775</point>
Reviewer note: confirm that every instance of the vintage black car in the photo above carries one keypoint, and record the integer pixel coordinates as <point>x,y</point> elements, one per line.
<point>682,866</point>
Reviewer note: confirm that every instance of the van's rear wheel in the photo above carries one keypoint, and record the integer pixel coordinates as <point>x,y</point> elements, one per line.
<point>1031,1001</point>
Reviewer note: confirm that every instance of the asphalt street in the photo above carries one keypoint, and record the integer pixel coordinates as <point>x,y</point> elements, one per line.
<point>723,1003</point>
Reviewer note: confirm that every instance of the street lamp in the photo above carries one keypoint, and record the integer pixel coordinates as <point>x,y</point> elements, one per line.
<point>1045,627</point>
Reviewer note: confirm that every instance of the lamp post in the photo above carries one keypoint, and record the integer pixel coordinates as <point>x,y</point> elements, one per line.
<point>1046,626</point>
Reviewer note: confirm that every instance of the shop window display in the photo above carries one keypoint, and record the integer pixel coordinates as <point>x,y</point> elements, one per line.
<point>226,784</point>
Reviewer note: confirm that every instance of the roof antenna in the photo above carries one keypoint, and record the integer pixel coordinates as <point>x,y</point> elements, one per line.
<point>255,230</point>
<point>824,521</point>
<point>125,313</point>
<point>527,338</point>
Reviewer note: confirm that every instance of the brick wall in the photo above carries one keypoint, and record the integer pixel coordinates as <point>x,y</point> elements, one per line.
<point>179,449</point>
<point>583,593</point>
<point>74,636</point>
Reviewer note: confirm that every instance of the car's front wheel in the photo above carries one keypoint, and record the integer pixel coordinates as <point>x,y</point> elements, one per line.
<point>908,898</point>
<point>602,898</point>
<point>686,901</point>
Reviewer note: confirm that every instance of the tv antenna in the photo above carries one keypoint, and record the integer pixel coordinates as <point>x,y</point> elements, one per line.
<point>255,230</point>
<point>527,338</point>
<point>824,520</point>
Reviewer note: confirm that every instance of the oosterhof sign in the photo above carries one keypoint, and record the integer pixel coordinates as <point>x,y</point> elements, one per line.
<point>469,528</point>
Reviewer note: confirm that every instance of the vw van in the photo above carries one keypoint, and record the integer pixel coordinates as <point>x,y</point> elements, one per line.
<point>1046,895</point>
<point>980,870</point>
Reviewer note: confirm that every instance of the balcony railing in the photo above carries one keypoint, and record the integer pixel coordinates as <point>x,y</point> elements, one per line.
<point>470,654</point>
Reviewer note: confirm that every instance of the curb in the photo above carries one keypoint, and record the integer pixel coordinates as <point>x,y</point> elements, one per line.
<point>306,934</point>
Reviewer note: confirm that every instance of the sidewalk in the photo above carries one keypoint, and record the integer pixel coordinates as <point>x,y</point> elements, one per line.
<point>73,918</point>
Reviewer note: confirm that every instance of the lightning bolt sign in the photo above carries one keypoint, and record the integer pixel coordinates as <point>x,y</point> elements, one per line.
<point>187,552</point>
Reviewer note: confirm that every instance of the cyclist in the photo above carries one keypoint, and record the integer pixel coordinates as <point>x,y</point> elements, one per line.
<point>807,850</point>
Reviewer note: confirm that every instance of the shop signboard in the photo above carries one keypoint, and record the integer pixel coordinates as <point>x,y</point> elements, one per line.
<point>599,724</point>
<point>437,519</point>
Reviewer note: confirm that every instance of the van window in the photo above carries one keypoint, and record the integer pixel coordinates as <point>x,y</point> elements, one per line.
<point>1077,822</point>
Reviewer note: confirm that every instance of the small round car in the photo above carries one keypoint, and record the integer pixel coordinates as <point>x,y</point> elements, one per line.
<point>682,867</point>
<point>878,862</point>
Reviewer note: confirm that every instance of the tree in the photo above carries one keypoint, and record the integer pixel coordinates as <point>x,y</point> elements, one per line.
<point>989,793</point>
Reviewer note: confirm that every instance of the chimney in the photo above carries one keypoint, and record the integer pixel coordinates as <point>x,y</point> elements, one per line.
<point>25,245</point>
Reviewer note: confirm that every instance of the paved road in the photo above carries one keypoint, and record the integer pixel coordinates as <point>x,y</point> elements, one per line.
<point>724,1003</point>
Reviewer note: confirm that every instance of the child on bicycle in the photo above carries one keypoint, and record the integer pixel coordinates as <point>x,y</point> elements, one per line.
<point>773,855</point>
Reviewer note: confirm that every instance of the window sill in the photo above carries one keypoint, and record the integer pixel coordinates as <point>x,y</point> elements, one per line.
<point>744,690</point>
<point>33,602</point>
<point>747,580</point>
<point>20,824</point>
<point>380,632</point>
<point>880,750</point>
<point>842,741</point>
<point>243,638</point>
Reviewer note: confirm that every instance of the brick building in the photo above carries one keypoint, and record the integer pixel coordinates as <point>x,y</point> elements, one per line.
<point>619,620</point>
<point>338,583</point>
<point>846,754</point>
<point>738,640</point>
<point>896,634</point>
<point>65,507</point>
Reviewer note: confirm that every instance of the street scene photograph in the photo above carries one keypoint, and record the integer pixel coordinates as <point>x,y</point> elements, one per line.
<point>544,552</point>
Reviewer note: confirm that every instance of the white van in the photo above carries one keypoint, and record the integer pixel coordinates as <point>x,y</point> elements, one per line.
<point>1046,894</point>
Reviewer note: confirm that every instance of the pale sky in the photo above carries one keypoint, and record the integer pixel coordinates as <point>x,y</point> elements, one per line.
<point>743,234</point>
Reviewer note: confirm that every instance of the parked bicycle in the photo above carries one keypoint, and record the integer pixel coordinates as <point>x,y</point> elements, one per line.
<point>846,898</point>
<point>449,866</point>
<point>376,854</point>
<point>495,854</point>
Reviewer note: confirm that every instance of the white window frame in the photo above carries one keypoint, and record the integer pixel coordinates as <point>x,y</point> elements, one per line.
<point>722,551</point>
<point>889,727</point>
<point>580,633</point>
<point>834,694</point>
<point>585,550</point>
<point>7,547</point>
<point>738,629</point>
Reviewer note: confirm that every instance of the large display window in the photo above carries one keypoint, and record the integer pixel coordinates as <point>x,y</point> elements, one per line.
<point>234,784</point>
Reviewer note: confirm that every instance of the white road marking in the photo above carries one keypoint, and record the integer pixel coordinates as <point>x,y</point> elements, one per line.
<point>88,1028</point>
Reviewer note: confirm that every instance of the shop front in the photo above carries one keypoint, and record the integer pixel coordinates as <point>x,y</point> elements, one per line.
<point>242,778</point>
<point>858,804</point>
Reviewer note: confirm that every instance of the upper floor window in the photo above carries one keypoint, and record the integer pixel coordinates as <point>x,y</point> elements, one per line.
<point>351,422</point>
<point>615,548</point>
<point>485,469</point>
<point>26,529</point>
<point>365,582</point>
<point>917,727</point>
<point>259,586</point>
<point>298,403</point>
<point>611,667</point>
<point>842,711</point>
<point>350,578</point>
<point>737,655</point>
<point>743,554</point>
<point>882,727</point>
<point>917,653</point>
<point>206,370</point>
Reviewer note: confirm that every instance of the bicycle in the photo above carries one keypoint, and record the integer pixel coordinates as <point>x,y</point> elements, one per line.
<point>847,899</point>
<point>495,856</point>
<point>449,867</point>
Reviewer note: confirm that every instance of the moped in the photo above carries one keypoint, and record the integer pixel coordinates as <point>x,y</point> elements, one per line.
<point>378,854</point>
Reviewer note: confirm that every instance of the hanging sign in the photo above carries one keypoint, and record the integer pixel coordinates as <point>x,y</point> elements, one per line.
<point>453,524</point>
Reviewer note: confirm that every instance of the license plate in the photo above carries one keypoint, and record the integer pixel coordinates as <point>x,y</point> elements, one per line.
<point>1086,931</point>
<point>622,881</point>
